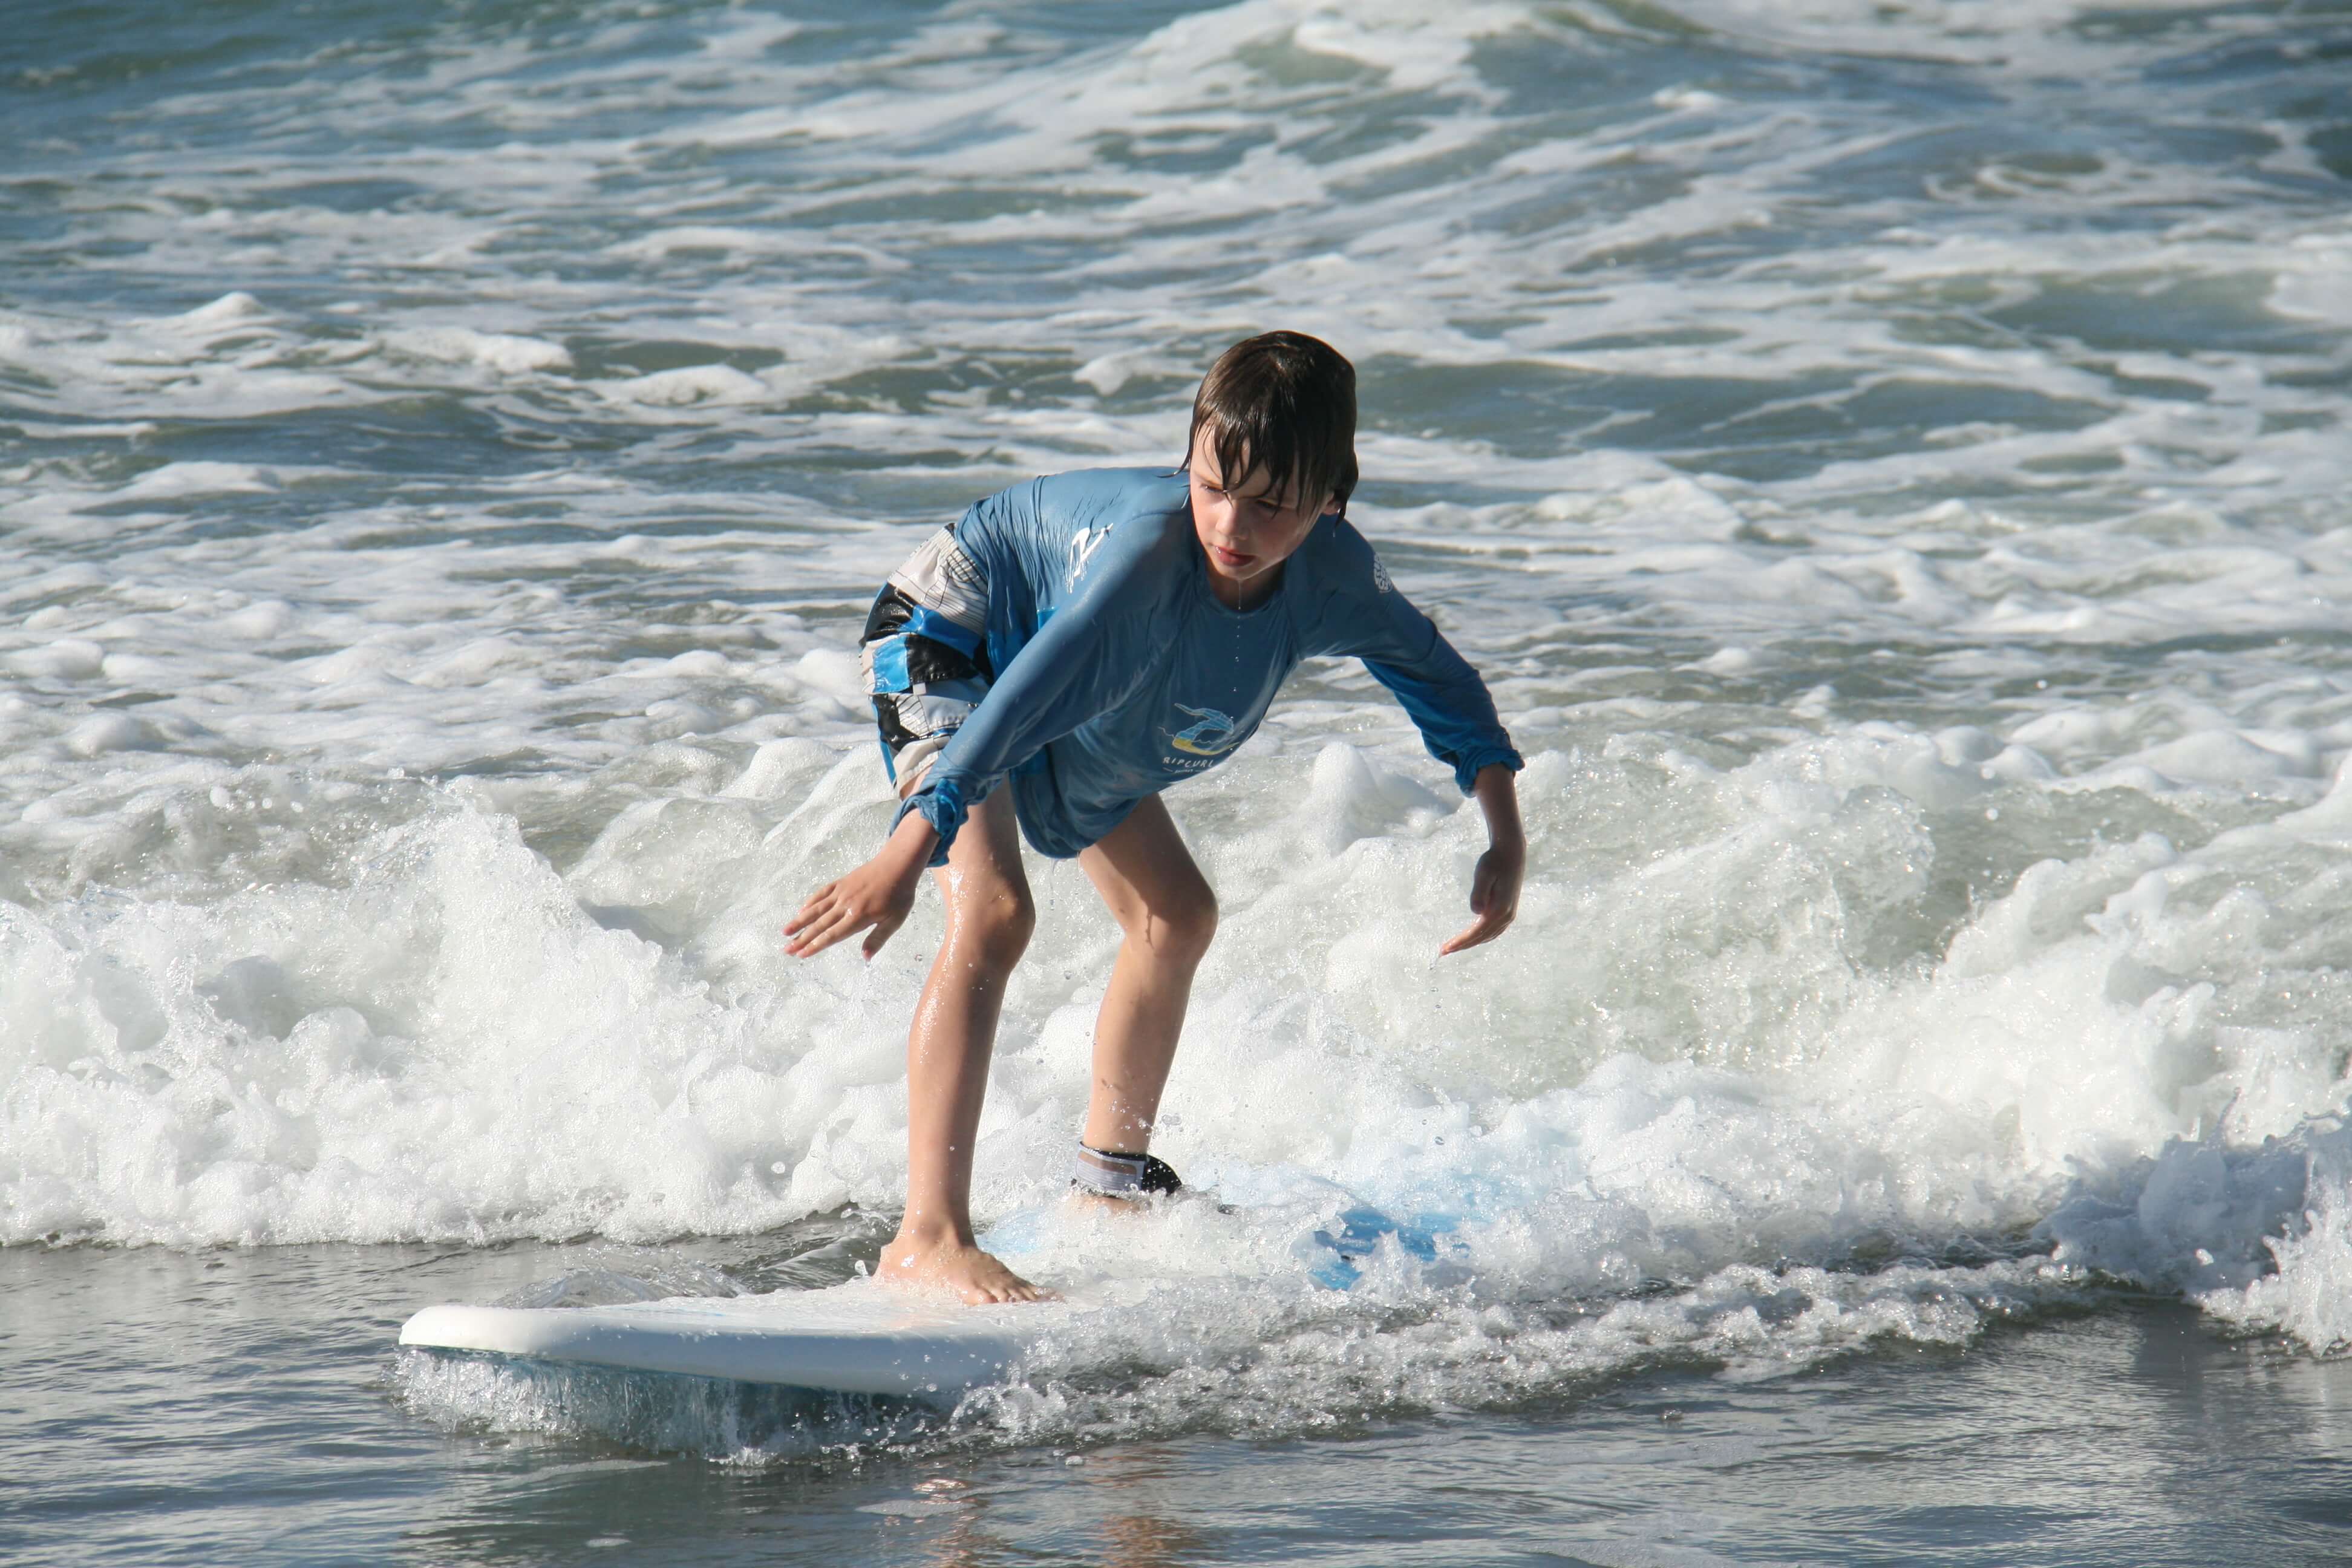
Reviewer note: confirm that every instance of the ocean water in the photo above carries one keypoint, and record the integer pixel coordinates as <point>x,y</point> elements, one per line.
<point>1890,460</point>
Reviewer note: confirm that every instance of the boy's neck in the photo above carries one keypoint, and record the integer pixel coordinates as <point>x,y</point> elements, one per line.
<point>1245,596</point>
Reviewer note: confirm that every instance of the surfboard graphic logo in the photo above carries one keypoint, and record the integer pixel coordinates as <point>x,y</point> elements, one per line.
<point>1213,734</point>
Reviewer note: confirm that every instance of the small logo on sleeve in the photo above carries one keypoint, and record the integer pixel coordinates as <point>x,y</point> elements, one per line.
<point>1083,545</point>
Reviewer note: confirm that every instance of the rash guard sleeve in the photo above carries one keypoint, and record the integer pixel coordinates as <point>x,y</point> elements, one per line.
<point>1359,613</point>
<point>1084,660</point>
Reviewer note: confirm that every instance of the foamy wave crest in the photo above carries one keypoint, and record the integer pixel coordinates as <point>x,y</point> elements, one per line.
<point>1699,1052</point>
<point>448,1045</point>
<point>2310,1296</point>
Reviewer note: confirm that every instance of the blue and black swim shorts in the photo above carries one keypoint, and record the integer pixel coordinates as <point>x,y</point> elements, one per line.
<point>925,651</point>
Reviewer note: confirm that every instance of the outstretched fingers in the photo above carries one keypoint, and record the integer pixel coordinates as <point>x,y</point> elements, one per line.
<point>842,908</point>
<point>824,919</point>
<point>814,938</point>
<point>1484,928</point>
<point>810,907</point>
<point>1494,898</point>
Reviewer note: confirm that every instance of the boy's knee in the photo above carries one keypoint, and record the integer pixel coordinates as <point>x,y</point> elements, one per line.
<point>996,923</point>
<point>1182,930</point>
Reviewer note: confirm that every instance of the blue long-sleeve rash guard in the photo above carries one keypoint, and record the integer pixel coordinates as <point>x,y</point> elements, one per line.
<point>1118,672</point>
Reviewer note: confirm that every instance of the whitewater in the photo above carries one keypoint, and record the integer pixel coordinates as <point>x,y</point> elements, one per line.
<point>1889,462</point>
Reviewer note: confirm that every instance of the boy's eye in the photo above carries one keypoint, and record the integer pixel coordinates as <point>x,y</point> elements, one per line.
<point>1269,505</point>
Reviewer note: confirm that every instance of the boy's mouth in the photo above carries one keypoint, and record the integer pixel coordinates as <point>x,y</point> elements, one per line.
<point>1228,558</point>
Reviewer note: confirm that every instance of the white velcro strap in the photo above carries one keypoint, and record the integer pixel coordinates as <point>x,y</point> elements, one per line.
<point>1114,1176</point>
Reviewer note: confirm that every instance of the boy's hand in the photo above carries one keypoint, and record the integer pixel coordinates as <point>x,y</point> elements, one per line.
<point>880,894</point>
<point>1493,895</point>
<point>1494,885</point>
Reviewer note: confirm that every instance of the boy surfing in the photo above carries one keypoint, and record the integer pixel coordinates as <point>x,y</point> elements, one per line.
<point>1052,661</point>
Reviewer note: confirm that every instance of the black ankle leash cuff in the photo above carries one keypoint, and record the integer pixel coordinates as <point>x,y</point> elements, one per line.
<point>1118,1175</point>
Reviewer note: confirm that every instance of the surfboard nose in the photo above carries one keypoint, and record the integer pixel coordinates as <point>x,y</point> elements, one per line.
<point>852,1339</point>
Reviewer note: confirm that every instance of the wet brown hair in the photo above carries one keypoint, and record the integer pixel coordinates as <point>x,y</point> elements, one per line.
<point>1284,403</point>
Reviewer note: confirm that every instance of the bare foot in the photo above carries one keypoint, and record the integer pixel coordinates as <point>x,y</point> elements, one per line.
<point>957,1266</point>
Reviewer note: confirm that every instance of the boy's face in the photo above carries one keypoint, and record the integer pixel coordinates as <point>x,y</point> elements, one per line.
<point>1246,528</point>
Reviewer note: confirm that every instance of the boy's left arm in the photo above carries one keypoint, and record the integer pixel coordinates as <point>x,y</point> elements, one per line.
<point>1359,611</point>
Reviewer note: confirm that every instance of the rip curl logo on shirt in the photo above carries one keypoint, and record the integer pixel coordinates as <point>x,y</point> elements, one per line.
<point>1211,737</point>
<point>1380,577</point>
<point>1083,545</point>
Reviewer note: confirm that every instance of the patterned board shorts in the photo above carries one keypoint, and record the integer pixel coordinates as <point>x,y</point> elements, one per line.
<point>926,655</point>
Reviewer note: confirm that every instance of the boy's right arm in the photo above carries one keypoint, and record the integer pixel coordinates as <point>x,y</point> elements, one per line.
<point>1080,663</point>
<point>879,894</point>
<point>1054,685</point>
<point>1050,689</point>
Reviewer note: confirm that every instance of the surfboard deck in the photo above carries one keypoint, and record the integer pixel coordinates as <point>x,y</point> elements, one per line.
<point>857,1338</point>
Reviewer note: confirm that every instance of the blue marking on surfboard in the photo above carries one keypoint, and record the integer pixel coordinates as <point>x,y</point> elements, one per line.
<point>1361,1231</point>
<point>1023,1231</point>
<point>1333,1257</point>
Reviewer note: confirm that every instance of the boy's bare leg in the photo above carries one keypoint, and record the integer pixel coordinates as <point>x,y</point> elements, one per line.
<point>989,918</point>
<point>1164,906</point>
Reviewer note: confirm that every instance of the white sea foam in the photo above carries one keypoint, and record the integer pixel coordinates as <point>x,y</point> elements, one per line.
<point>505,353</point>
<point>304,1056</point>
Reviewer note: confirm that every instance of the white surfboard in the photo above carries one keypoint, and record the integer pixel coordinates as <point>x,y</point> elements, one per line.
<point>858,1338</point>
